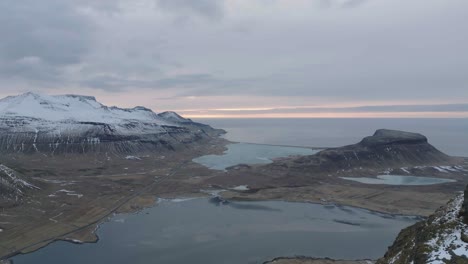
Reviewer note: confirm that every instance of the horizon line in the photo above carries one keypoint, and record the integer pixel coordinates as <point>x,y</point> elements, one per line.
<point>386,115</point>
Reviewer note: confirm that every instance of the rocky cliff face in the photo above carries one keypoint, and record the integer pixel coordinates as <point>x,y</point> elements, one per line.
<point>32,123</point>
<point>464,209</point>
<point>442,238</point>
<point>386,148</point>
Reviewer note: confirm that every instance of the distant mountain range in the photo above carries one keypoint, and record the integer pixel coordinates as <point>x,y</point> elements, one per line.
<point>36,123</point>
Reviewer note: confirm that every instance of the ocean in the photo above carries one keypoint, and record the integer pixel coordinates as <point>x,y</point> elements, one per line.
<point>448,135</point>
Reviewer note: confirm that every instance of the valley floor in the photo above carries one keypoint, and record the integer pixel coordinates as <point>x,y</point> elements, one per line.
<point>79,193</point>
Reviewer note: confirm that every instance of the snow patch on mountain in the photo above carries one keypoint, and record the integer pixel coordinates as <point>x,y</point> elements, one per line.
<point>12,187</point>
<point>72,108</point>
<point>52,125</point>
<point>447,241</point>
<point>441,239</point>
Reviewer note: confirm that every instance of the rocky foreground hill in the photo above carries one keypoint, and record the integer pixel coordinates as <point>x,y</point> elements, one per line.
<point>442,238</point>
<point>33,123</point>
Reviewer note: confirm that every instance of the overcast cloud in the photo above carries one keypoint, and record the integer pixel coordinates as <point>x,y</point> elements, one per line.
<point>203,54</point>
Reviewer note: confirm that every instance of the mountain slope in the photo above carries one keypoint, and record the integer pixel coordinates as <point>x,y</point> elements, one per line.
<point>442,238</point>
<point>33,123</point>
<point>385,149</point>
<point>12,186</point>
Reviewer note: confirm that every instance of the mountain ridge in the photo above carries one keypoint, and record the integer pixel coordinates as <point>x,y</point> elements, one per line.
<point>34,123</point>
<point>385,148</point>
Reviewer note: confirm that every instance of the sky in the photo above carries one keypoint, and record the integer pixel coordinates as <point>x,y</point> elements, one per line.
<point>243,58</point>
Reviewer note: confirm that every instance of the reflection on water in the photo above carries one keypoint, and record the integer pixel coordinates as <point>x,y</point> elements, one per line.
<point>197,231</point>
<point>243,153</point>
<point>399,180</point>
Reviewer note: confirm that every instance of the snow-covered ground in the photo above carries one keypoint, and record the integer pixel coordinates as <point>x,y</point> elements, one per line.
<point>71,107</point>
<point>448,240</point>
<point>241,188</point>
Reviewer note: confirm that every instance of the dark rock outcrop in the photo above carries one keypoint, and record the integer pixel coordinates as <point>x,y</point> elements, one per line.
<point>385,149</point>
<point>464,208</point>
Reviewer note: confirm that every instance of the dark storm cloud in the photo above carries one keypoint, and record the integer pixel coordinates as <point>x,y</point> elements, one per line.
<point>213,9</point>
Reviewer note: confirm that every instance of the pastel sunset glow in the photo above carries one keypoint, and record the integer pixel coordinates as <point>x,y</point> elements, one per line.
<point>244,58</point>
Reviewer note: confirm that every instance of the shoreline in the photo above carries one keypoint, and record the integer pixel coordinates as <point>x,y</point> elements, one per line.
<point>107,219</point>
<point>278,145</point>
<point>42,244</point>
<point>181,170</point>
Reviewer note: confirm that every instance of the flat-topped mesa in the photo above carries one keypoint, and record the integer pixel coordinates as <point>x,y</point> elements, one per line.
<point>35,123</point>
<point>385,149</point>
<point>384,137</point>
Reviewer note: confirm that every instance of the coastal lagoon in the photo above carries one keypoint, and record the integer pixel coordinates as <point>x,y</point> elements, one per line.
<point>399,180</point>
<point>208,230</point>
<point>211,232</point>
<point>448,135</point>
<point>245,153</point>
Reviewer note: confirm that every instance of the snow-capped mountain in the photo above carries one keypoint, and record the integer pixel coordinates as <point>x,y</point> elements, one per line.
<point>73,123</point>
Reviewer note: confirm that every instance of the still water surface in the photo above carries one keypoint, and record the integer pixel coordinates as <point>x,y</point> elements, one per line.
<point>243,153</point>
<point>205,231</point>
<point>399,180</point>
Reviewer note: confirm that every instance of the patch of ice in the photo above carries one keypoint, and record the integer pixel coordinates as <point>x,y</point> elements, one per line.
<point>440,169</point>
<point>176,200</point>
<point>395,258</point>
<point>214,193</point>
<point>449,168</point>
<point>405,170</point>
<point>76,241</point>
<point>132,158</point>
<point>241,188</point>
